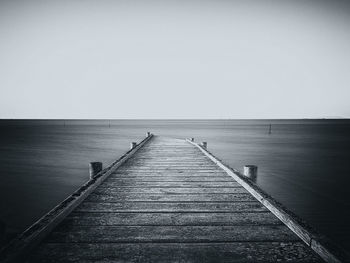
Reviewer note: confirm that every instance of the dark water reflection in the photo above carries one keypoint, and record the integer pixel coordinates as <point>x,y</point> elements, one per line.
<point>304,164</point>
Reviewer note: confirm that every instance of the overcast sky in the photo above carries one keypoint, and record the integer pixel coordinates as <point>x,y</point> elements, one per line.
<point>174,59</point>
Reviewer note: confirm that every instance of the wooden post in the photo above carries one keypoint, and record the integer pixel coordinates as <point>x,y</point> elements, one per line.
<point>148,134</point>
<point>192,139</point>
<point>251,171</point>
<point>95,168</point>
<point>132,145</point>
<point>204,145</point>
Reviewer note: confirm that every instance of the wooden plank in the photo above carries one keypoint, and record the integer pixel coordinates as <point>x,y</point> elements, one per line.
<point>174,252</point>
<point>166,184</point>
<point>213,207</point>
<point>179,156</point>
<point>165,165</point>
<point>202,165</point>
<point>172,160</point>
<point>172,166</point>
<point>170,197</point>
<point>165,178</point>
<point>171,219</point>
<point>168,161</point>
<point>172,174</point>
<point>168,190</point>
<point>135,234</point>
<point>169,169</point>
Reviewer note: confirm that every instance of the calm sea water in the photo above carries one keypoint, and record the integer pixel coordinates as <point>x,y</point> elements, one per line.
<point>304,164</point>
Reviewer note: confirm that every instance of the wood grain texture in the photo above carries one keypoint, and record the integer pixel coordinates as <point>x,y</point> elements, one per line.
<point>168,184</point>
<point>134,234</point>
<point>141,207</point>
<point>242,252</point>
<point>171,218</point>
<point>124,196</point>
<point>170,190</point>
<point>171,203</point>
<point>170,178</point>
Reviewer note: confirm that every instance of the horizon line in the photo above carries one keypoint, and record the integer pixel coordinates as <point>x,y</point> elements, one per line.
<point>101,119</point>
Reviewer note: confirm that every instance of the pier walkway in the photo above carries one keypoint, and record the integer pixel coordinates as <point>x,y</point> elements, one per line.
<point>170,203</point>
<point>168,200</point>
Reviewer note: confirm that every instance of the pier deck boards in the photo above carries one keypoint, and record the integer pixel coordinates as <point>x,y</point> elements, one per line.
<point>170,203</point>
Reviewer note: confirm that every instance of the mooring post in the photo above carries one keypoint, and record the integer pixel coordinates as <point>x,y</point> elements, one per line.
<point>132,145</point>
<point>148,134</point>
<point>94,168</point>
<point>251,171</point>
<point>204,145</point>
<point>192,139</point>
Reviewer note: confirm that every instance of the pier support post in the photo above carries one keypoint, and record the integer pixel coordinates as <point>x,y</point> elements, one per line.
<point>148,134</point>
<point>94,168</point>
<point>204,145</point>
<point>251,171</point>
<point>192,139</point>
<point>132,145</point>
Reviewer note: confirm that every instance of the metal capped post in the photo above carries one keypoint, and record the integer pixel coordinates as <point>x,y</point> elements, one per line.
<point>94,168</point>
<point>192,139</point>
<point>204,145</point>
<point>133,145</point>
<point>148,134</point>
<point>251,171</point>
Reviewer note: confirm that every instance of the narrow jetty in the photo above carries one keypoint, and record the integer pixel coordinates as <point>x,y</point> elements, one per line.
<point>166,200</point>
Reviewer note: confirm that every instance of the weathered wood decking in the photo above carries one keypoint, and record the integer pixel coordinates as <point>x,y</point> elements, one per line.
<point>170,203</point>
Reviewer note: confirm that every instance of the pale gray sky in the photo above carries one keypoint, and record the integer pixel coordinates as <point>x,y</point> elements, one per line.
<point>174,59</point>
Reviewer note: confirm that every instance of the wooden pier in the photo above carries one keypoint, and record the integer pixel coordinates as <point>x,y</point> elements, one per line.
<point>167,200</point>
